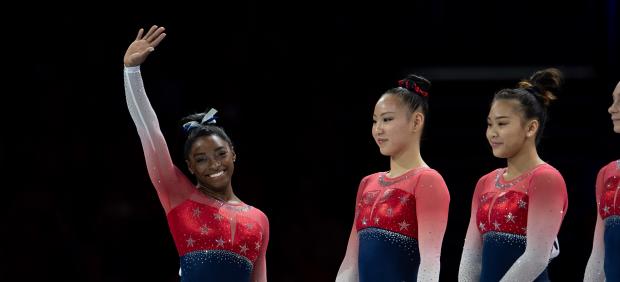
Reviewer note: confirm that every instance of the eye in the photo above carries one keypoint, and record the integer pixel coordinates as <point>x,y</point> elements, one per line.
<point>502,123</point>
<point>374,121</point>
<point>387,119</point>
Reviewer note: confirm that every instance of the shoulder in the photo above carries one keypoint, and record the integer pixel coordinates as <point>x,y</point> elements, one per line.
<point>430,173</point>
<point>258,215</point>
<point>612,166</point>
<point>547,171</point>
<point>371,178</point>
<point>490,176</point>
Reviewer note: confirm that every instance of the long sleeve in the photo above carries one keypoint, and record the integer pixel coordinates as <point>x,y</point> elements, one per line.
<point>594,269</point>
<point>548,203</point>
<point>471,258</point>
<point>260,268</point>
<point>432,204</point>
<point>171,184</point>
<point>348,271</point>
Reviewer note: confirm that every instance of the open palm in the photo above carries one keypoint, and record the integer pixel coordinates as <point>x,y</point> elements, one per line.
<point>143,45</point>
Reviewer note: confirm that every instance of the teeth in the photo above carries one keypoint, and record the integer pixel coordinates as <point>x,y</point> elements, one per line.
<point>217,174</point>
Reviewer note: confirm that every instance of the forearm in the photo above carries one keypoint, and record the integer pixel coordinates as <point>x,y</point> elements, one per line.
<point>471,265</point>
<point>429,269</point>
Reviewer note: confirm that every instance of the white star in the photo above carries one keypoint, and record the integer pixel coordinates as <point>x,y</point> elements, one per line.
<point>196,212</point>
<point>524,230</point>
<point>368,198</point>
<point>497,225</point>
<point>389,211</point>
<point>364,221</point>
<point>257,246</point>
<point>376,220</point>
<point>481,226</point>
<point>510,217</point>
<point>403,225</point>
<point>244,248</point>
<point>386,194</point>
<point>190,241</point>
<point>404,199</point>
<point>606,209</point>
<point>522,204</point>
<point>217,216</point>
<point>204,229</point>
<point>220,242</point>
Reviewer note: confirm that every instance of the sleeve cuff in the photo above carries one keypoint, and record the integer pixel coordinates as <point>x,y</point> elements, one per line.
<point>133,69</point>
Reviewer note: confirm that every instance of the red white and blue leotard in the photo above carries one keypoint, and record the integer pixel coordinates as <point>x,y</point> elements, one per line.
<point>216,241</point>
<point>513,226</point>
<point>398,228</point>
<point>604,262</point>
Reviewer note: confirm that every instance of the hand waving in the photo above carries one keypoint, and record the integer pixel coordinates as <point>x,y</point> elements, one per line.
<point>141,47</point>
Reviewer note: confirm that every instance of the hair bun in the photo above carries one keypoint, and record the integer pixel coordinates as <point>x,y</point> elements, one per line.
<point>416,84</point>
<point>544,84</point>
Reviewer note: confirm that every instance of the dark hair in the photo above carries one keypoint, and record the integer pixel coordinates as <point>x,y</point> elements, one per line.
<point>195,127</point>
<point>413,92</point>
<point>535,94</point>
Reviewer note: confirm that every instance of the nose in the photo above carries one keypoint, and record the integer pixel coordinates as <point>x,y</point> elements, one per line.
<point>378,128</point>
<point>491,132</point>
<point>215,164</point>
<point>614,108</point>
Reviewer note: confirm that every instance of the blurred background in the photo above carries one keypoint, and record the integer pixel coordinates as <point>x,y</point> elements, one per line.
<point>295,84</point>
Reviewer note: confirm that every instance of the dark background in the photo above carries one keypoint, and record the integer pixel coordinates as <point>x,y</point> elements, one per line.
<point>295,84</point>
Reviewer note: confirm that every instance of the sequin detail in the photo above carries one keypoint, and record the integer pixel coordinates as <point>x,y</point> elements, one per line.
<point>383,182</point>
<point>501,171</point>
<point>505,238</point>
<point>612,221</point>
<point>193,260</point>
<point>401,241</point>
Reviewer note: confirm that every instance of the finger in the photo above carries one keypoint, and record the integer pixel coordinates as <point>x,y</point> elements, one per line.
<point>155,34</point>
<point>158,39</point>
<point>151,30</point>
<point>139,34</point>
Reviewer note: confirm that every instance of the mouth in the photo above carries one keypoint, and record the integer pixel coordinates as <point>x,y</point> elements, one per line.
<point>495,144</point>
<point>217,174</point>
<point>380,141</point>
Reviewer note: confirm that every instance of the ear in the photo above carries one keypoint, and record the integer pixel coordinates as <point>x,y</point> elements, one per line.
<point>532,128</point>
<point>189,166</point>
<point>234,155</point>
<point>418,121</point>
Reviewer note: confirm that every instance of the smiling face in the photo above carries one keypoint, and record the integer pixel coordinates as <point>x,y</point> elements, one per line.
<point>614,109</point>
<point>392,126</point>
<point>507,131</point>
<point>211,159</point>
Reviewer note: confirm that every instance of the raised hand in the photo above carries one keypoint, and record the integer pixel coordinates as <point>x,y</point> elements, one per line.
<point>143,45</point>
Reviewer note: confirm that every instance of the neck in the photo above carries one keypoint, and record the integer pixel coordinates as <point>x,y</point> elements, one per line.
<point>523,161</point>
<point>406,160</point>
<point>225,195</point>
